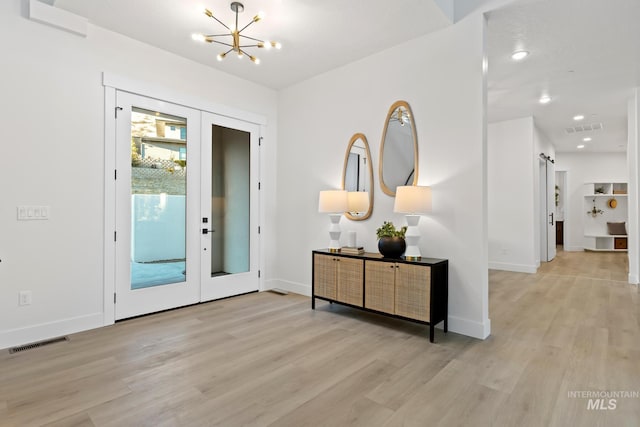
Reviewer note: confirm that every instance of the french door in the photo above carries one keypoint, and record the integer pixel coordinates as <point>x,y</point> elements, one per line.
<point>157,205</point>
<point>229,206</point>
<point>186,206</point>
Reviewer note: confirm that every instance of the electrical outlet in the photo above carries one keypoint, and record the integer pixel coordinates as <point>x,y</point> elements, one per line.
<point>24,298</point>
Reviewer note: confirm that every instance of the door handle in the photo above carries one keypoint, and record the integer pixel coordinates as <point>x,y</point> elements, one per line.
<point>205,231</point>
<point>551,215</point>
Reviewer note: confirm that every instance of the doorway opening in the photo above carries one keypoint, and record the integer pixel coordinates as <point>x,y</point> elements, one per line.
<point>547,208</point>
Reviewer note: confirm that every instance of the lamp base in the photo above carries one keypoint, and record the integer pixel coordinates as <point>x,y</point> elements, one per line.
<point>412,236</point>
<point>334,233</point>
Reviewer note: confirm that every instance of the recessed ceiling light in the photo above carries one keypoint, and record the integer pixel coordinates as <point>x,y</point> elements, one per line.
<point>578,117</point>
<point>519,55</point>
<point>587,139</point>
<point>545,99</point>
<point>580,146</point>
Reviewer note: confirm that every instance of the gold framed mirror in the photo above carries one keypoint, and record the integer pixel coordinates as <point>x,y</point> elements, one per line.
<point>357,177</point>
<point>398,149</point>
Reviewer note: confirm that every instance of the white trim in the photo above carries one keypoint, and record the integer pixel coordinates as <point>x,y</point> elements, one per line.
<point>58,18</point>
<point>574,249</point>
<point>163,94</point>
<point>296,288</point>
<point>634,279</point>
<point>109,278</point>
<point>469,327</point>
<point>29,334</point>
<point>518,268</point>
<point>262,219</point>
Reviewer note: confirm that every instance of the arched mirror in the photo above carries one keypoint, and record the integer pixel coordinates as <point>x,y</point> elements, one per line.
<point>357,178</point>
<point>398,150</point>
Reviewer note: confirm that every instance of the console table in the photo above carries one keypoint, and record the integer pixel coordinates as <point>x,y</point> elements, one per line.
<point>411,290</point>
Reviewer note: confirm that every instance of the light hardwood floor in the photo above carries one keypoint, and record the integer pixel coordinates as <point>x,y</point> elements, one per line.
<point>269,360</point>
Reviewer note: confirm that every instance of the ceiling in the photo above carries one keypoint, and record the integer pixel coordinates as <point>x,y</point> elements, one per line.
<point>584,53</point>
<point>316,35</point>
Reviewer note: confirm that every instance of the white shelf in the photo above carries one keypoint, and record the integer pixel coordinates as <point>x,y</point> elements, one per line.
<point>595,230</point>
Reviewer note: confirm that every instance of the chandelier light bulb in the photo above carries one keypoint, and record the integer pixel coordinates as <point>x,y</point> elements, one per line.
<point>277,45</point>
<point>254,59</point>
<point>198,37</point>
<point>519,55</point>
<point>240,55</point>
<point>221,56</point>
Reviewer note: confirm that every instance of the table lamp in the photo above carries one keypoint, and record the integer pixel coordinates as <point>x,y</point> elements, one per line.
<point>357,202</point>
<point>335,203</point>
<point>413,200</point>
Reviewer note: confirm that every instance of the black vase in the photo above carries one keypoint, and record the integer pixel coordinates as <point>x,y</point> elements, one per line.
<point>391,247</point>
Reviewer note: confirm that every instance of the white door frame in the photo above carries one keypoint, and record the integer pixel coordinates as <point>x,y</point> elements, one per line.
<point>111,83</point>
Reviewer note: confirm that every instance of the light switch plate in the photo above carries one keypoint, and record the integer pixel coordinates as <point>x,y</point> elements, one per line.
<point>28,213</point>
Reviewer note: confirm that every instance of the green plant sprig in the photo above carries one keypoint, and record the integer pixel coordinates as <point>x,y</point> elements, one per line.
<point>389,230</point>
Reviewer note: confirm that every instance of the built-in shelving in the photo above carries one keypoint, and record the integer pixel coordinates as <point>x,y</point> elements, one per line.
<point>598,196</point>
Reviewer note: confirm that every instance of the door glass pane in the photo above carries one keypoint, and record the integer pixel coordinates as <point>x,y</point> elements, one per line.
<point>230,162</point>
<point>158,198</point>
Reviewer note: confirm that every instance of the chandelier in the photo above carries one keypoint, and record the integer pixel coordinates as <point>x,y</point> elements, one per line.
<point>235,43</point>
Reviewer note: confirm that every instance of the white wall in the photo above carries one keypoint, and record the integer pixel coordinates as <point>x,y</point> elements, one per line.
<point>52,110</point>
<point>582,168</point>
<point>510,175</point>
<point>441,77</point>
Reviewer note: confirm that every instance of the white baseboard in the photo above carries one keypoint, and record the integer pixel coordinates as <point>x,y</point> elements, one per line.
<point>296,288</point>
<point>573,248</point>
<point>633,279</point>
<point>518,268</point>
<point>21,336</point>
<point>469,327</point>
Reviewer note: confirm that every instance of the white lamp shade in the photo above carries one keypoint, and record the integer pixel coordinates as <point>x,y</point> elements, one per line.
<point>413,199</point>
<point>333,201</point>
<point>358,201</point>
